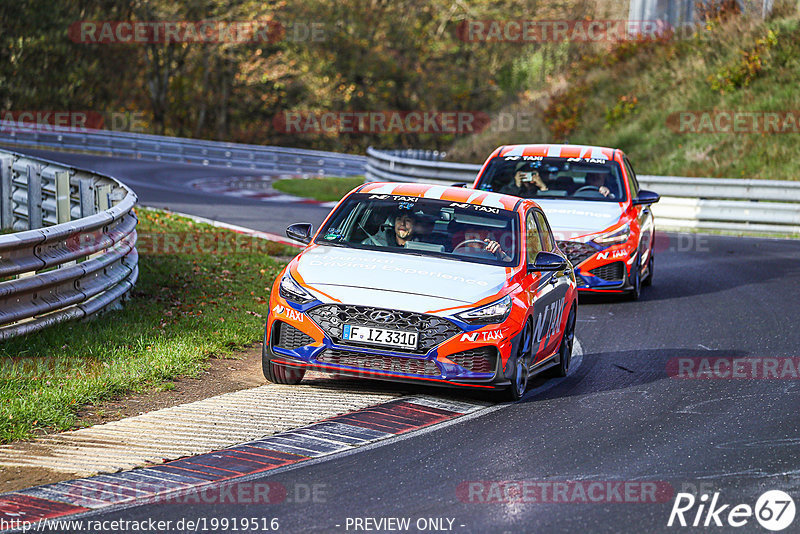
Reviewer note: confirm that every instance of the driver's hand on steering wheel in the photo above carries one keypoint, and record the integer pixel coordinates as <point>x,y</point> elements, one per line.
<point>494,248</point>
<point>604,190</point>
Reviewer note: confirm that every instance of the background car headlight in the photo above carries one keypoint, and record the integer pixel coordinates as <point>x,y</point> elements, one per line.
<point>496,312</point>
<point>291,290</point>
<point>616,236</point>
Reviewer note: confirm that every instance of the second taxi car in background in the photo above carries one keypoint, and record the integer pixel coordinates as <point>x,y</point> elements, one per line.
<point>591,196</point>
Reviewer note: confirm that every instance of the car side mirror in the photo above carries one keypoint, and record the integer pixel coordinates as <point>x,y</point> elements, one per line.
<point>459,184</point>
<point>645,198</point>
<point>547,261</point>
<point>300,232</point>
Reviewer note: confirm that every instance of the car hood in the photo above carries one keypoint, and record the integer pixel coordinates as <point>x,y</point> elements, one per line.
<point>572,218</point>
<point>400,281</point>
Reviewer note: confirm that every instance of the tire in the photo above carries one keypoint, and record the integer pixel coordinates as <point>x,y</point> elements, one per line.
<point>565,349</point>
<point>650,266</point>
<point>522,362</point>
<point>276,373</point>
<point>636,292</point>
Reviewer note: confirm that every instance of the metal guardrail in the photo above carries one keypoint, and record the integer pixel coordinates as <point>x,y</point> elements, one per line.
<point>72,253</point>
<point>397,166</point>
<point>761,206</point>
<point>182,150</point>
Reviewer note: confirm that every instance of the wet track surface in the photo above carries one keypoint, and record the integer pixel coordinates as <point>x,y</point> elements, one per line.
<point>620,416</point>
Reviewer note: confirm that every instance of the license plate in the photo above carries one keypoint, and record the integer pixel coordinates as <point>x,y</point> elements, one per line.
<point>380,336</point>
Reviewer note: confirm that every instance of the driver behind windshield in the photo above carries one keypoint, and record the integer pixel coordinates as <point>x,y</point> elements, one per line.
<point>407,227</point>
<point>598,181</point>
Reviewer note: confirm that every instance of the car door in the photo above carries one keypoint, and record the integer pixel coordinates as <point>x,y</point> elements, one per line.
<point>558,283</point>
<point>644,216</point>
<point>539,286</point>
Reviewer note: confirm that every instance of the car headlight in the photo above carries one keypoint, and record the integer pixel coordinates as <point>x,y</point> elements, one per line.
<point>291,290</point>
<point>615,236</point>
<point>496,312</point>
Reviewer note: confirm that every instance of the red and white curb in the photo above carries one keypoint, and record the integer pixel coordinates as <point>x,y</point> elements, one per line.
<point>194,474</point>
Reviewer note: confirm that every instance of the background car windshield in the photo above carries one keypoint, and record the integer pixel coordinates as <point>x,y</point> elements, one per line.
<point>542,178</point>
<point>451,230</point>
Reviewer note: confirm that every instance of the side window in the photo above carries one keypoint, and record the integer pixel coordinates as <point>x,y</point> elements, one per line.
<point>632,182</point>
<point>532,241</point>
<point>544,231</point>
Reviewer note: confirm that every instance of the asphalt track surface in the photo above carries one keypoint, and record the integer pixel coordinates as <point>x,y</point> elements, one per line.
<point>619,416</point>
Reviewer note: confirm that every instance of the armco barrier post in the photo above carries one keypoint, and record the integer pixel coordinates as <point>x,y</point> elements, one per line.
<point>86,193</point>
<point>34,195</point>
<point>6,214</point>
<point>103,202</point>
<point>62,197</point>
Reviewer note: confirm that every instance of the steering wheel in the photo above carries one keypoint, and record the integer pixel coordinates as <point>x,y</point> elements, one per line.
<point>587,188</point>
<point>469,242</point>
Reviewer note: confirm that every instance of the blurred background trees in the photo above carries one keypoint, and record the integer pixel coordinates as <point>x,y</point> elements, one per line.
<point>366,55</point>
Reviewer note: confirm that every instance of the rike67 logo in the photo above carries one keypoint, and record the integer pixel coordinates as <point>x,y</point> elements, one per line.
<point>774,510</point>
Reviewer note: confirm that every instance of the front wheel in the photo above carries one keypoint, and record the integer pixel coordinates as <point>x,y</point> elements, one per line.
<point>521,362</point>
<point>565,349</point>
<point>276,373</point>
<point>650,266</point>
<point>636,280</point>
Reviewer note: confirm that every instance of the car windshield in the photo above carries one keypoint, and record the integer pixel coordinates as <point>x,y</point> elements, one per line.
<point>541,178</point>
<point>425,227</point>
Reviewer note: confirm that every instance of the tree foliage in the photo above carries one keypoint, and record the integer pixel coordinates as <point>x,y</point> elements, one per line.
<point>367,55</point>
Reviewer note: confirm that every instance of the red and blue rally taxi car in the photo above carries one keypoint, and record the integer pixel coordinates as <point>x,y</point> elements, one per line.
<point>422,283</point>
<point>590,194</point>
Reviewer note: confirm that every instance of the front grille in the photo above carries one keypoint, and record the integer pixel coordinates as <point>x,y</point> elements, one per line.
<point>480,360</point>
<point>395,364</point>
<point>288,337</point>
<point>575,251</point>
<point>432,330</point>
<point>611,271</point>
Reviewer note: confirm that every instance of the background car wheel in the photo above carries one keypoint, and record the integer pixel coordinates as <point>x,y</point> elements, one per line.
<point>522,362</point>
<point>565,349</point>
<point>650,265</point>
<point>636,280</point>
<point>276,373</point>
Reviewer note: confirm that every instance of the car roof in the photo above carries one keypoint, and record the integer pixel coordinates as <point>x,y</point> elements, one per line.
<point>440,192</point>
<point>556,151</point>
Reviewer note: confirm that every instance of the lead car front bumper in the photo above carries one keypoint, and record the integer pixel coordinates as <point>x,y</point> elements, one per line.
<point>476,365</point>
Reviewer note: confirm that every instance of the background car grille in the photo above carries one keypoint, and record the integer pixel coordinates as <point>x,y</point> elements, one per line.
<point>288,337</point>
<point>480,360</point>
<point>611,271</point>
<point>432,330</point>
<point>396,364</point>
<point>576,252</point>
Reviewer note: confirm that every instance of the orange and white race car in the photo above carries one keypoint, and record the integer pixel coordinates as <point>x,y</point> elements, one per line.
<point>600,216</point>
<point>423,283</point>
